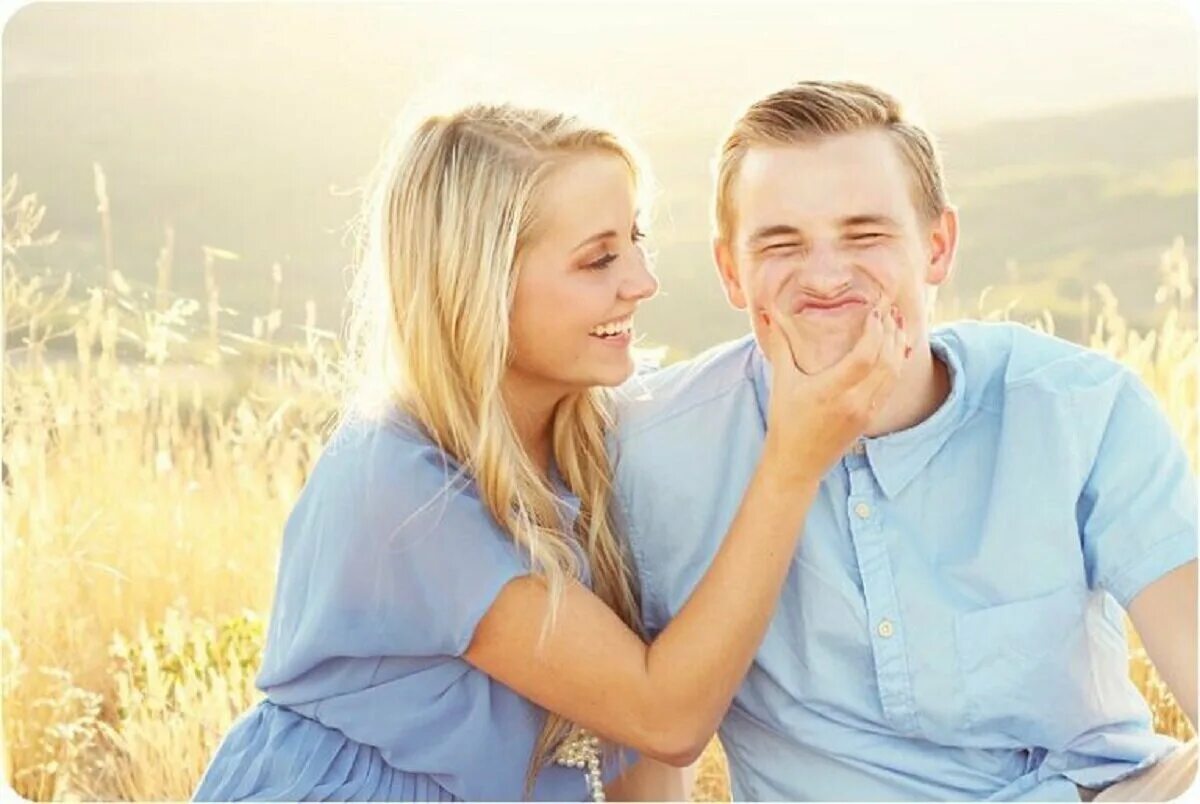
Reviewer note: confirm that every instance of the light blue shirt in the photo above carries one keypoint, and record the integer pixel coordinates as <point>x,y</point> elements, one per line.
<point>951,625</point>
<point>389,560</point>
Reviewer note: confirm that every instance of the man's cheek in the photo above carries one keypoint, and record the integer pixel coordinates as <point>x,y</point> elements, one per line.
<point>771,285</point>
<point>891,270</point>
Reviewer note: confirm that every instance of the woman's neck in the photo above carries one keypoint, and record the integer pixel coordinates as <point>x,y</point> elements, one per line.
<point>531,407</point>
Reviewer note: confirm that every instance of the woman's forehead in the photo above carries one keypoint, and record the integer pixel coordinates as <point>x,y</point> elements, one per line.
<point>584,194</point>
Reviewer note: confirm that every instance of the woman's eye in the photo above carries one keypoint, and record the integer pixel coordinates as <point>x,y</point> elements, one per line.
<point>637,235</point>
<point>603,262</point>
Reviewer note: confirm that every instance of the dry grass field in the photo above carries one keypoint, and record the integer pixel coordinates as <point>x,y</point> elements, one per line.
<point>148,470</point>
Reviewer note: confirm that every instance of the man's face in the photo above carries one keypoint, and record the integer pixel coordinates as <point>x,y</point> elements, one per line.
<point>830,229</point>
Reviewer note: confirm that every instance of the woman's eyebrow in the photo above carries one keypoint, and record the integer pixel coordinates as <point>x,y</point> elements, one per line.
<point>598,236</point>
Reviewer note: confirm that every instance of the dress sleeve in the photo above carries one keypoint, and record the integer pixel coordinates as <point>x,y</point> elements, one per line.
<point>1137,512</point>
<point>441,558</point>
<point>390,552</point>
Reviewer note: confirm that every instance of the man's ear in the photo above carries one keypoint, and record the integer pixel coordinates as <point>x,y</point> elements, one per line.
<point>727,269</point>
<point>943,242</point>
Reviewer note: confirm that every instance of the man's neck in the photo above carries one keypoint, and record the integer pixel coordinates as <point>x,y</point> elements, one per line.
<point>920,390</point>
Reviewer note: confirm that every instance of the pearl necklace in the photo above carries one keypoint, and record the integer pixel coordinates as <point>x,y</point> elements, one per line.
<point>583,751</point>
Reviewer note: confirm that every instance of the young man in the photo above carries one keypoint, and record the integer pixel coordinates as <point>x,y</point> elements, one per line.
<point>952,624</point>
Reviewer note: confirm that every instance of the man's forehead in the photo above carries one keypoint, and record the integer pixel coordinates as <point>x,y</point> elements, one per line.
<point>870,137</point>
<point>840,176</point>
<point>867,153</point>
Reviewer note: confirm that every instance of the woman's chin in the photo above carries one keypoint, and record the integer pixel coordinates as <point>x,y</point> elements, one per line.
<point>611,372</point>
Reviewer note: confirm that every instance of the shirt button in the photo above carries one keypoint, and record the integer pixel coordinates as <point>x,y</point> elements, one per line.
<point>862,510</point>
<point>885,628</point>
<point>859,448</point>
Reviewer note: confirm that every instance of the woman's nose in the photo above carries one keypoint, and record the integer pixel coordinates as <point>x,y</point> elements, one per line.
<point>641,283</point>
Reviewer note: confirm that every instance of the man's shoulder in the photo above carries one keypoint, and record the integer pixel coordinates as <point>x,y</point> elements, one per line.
<point>686,388</point>
<point>1001,358</point>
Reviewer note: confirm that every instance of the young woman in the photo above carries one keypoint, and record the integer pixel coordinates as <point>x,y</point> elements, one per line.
<point>454,616</point>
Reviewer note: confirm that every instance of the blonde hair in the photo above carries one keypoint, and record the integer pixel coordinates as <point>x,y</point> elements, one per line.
<point>454,204</point>
<point>808,110</point>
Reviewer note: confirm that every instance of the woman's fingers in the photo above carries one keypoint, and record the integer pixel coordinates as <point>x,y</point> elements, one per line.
<point>878,385</point>
<point>815,417</point>
<point>857,364</point>
<point>861,379</point>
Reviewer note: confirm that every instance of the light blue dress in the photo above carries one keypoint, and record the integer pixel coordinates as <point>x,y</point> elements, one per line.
<point>389,560</point>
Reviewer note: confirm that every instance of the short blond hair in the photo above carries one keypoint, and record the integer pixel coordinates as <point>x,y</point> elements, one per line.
<point>809,110</point>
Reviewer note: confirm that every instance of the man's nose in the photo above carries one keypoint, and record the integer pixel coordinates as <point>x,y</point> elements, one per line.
<point>824,271</point>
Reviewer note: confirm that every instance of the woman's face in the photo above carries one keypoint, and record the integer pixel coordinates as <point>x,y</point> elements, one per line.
<point>580,279</point>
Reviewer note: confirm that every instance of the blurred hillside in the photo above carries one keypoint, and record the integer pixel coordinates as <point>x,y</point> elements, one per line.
<point>1049,206</point>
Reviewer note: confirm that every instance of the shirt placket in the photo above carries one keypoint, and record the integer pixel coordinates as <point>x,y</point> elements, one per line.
<point>886,627</point>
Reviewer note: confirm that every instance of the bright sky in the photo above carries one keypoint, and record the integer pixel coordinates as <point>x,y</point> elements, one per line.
<point>957,61</point>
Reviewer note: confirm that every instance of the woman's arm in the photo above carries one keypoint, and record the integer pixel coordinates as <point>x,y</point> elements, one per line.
<point>667,698</point>
<point>651,780</point>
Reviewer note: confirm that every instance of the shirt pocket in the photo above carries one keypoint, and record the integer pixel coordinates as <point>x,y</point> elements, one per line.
<point>1025,672</point>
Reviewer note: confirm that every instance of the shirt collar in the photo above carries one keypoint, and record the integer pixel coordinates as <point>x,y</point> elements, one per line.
<point>895,458</point>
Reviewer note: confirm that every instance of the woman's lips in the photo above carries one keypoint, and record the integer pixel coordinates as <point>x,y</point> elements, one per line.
<point>620,341</point>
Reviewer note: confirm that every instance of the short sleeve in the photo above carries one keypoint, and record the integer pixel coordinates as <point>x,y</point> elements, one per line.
<point>440,560</point>
<point>1137,511</point>
<point>388,552</point>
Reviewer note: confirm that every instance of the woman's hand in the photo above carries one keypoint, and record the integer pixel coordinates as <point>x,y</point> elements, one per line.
<point>813,419</point>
